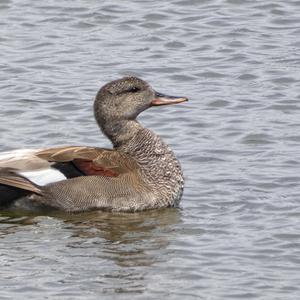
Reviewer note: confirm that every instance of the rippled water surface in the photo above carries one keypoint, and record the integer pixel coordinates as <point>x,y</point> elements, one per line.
<point>237,233</point>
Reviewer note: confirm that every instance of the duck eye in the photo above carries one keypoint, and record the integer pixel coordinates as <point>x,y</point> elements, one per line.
<point>129,90</point>
<point>133,90</point>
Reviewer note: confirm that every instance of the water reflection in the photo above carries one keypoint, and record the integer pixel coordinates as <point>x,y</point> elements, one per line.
<point>114,253</point>
<point>123,246</point>
<point>127,239</point>
<point>11,221</point>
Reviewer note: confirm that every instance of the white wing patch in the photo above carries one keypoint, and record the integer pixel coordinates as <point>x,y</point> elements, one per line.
<point>43,177</point>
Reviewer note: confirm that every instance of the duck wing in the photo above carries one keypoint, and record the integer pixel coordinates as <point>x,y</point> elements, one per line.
<point>26,172</point>
<point>91,160</point>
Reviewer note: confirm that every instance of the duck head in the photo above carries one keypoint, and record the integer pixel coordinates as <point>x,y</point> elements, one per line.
<point>119,102</point>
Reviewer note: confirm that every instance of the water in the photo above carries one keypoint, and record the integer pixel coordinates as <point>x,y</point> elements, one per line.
<point>236,235</point>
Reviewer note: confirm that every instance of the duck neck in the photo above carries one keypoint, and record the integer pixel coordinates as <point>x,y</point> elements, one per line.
<point>120,132</point>
<point>159,168</point>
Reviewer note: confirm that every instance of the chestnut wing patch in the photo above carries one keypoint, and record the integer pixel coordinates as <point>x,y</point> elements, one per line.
<point>89,167</point>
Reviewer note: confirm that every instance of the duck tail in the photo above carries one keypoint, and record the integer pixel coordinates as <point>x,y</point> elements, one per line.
<point>10,178</point>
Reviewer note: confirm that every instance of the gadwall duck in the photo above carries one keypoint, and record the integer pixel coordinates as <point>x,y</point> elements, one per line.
<point>140,172</point>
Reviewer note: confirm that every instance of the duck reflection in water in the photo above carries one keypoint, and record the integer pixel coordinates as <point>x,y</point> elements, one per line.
<point>114,252</point>
<point>127,239</point>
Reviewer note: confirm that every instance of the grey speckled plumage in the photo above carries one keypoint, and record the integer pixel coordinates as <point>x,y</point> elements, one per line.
<point>140,173</point>
<point>159,182</point>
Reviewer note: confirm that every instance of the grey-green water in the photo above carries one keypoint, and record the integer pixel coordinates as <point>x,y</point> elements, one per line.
<point>237,234</point>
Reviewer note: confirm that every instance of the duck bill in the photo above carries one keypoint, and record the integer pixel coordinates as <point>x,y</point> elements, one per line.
<point>161,99</point>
